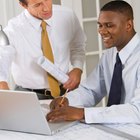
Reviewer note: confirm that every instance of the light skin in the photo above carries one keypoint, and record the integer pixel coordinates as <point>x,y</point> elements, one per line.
<point>42,9</point>
<point>116,30</point>
<point>4,85</point>
<point>74,79</point>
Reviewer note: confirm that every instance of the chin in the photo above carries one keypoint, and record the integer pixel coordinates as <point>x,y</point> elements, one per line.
<point>107,46</point>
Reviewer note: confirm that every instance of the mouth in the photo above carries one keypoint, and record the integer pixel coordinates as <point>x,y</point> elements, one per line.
<point>106,39</point>
<point>45,13</point>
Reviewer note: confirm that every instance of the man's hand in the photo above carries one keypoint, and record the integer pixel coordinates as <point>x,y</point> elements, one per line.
<point>55,104</point>
<point>74,79</point>
<point>66,113</point>
<point>4,85</point>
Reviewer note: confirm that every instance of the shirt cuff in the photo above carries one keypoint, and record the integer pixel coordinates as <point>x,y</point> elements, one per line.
<point>78,64</point>
<point>94,115</point>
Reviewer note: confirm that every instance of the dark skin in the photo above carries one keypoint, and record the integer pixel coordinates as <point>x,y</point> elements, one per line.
<point>61,112</point>
<point>116,30</point>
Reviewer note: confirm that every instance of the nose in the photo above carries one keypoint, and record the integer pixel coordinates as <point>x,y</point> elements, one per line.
<point>102,30</point>
<point>45,7</point>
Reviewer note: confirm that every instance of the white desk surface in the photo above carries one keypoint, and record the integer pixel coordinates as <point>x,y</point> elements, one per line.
<point>82,131</point>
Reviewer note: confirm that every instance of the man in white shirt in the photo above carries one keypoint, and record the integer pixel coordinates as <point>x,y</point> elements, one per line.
<point>117,31</point>
<point>66,38</point>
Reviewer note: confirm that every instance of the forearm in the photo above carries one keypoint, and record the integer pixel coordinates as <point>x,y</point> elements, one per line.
<point>123,113</point>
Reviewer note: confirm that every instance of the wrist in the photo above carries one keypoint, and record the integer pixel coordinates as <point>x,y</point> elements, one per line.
<point>81,114</point>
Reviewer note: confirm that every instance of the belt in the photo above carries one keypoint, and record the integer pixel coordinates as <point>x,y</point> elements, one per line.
<point>41,91</point>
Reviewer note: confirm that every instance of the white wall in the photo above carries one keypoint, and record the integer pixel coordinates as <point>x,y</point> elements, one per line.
<point>136,7</point>
<point>10,8</point>
<point>3,12</point>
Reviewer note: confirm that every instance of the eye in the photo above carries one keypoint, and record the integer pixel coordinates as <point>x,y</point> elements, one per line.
<point>99,25</point>
<point>37,5</point>
<point>109,25</point>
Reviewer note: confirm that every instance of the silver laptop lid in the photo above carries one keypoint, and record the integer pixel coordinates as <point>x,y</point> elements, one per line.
<point>21,111</point>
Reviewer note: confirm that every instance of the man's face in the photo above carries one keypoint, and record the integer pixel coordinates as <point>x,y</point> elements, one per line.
<point>41,9</point>
<point>113,28</point>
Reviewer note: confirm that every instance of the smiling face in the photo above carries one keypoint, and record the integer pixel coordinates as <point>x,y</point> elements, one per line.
<point>115,29</point>
<point>41,9</point>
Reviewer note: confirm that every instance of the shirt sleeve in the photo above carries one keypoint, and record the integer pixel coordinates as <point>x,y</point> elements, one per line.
<point>123,113</point>
<point>6,56</point>
<point>87,96</point>
<point>78,43</point>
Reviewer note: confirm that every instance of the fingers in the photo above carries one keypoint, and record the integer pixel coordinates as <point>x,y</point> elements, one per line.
<point>66,114</point>
<point>71,84</point>
<point>55,104</point>
<point>55,116</point>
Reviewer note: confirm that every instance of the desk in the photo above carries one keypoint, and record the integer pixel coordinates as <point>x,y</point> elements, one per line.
<point>81,131</point>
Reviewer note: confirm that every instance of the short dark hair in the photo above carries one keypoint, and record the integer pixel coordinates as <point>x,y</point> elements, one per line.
<point>23,1</point>
<point>119,6</point>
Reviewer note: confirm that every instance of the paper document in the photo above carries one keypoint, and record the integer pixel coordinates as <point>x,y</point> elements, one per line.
<point>52,69</point>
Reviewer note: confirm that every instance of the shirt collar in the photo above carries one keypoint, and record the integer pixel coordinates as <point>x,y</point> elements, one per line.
<point>128,49</point>
<point>37,22</point>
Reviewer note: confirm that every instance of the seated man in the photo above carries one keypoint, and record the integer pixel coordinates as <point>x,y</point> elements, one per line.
<point>119,37</point>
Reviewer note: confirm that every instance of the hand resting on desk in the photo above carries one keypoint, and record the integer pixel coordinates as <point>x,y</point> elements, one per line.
<point>64,112</point>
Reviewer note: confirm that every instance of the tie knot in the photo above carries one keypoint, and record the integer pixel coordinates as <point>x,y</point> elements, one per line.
<point>118,60</point>
<point>43,25</point>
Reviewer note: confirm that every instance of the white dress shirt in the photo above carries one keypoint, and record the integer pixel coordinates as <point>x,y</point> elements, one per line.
<point>97,85</point>
<point>24,32</point>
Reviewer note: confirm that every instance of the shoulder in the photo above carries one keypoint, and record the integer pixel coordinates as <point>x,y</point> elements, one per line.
<point>59,8</point>
<point>64,15</point>
<point>15,22</point>
<point>62,11</point>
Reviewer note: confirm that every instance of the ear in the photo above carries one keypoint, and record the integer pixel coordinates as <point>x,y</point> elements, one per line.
<point>129,25</point>
<point>23,5</point>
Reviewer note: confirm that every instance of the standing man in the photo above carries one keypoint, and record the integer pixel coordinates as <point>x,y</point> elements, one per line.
<point>117,74</point>
<point>66,39</point>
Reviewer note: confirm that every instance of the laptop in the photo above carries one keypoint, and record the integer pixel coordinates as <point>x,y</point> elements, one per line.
<point>21,111</point>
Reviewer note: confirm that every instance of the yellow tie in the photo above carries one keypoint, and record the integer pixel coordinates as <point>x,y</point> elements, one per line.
<point>47,51</point>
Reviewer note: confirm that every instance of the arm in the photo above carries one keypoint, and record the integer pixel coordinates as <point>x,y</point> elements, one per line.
<point>6,57</point>
<point>7,54</point>
<point>77,54</point>
<point>129,112</point>
<point>82,96</point>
